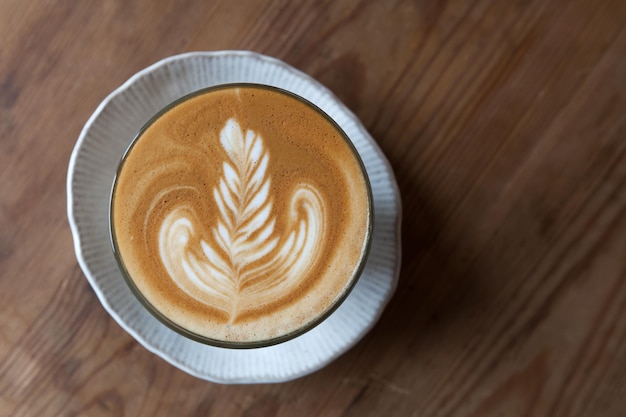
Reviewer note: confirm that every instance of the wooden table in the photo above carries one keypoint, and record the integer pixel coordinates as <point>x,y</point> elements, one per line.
<point>505,122</point>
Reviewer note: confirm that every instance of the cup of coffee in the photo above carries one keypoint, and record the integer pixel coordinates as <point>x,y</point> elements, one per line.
<point>241,216</point>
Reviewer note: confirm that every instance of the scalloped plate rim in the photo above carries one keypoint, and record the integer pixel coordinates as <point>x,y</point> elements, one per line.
<point>77,242</point>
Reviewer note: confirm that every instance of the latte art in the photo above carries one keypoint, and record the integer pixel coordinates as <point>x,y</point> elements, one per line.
<point>241,216</point>
<point>247,263</point>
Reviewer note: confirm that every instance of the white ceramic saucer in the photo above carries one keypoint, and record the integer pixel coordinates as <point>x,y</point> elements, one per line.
<point>91,171</point>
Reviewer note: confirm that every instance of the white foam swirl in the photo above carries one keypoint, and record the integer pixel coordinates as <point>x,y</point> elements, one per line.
<point>247,264</point>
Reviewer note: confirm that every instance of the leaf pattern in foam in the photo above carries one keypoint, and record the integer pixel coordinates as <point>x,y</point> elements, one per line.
<point>243,232</point>
<point>248,264</point>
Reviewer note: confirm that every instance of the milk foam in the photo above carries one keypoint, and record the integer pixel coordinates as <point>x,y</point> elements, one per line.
<point>241,214</point>
<point>247,264</point>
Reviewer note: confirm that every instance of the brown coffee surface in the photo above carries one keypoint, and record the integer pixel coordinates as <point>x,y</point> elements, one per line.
<point>241,214</point>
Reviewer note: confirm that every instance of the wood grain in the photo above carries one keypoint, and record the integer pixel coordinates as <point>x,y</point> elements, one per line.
<point>505,123</point>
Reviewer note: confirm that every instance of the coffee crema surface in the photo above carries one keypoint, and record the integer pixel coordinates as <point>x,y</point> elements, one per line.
<point>241,214</point>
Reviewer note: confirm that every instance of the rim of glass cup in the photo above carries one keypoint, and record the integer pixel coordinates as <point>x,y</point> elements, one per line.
<point>228,343</point>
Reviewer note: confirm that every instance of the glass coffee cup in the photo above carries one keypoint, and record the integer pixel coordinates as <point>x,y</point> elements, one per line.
<point>241,216</point>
